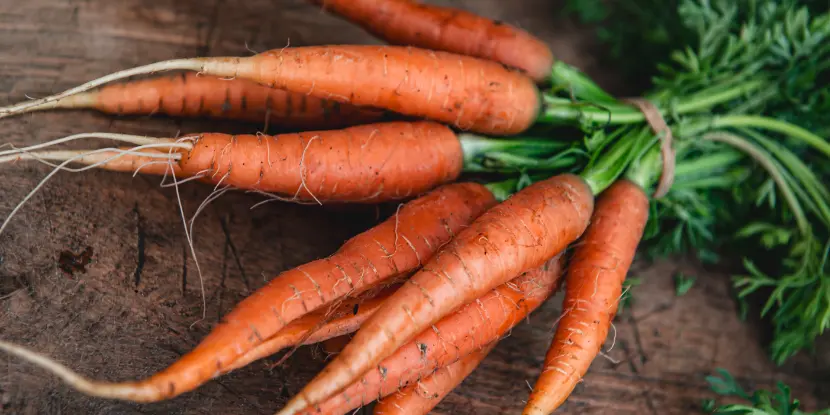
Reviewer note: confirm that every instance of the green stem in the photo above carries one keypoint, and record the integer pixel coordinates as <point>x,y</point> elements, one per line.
<point>562,109</point>
<point>767,164</point>
<point>771,124</point>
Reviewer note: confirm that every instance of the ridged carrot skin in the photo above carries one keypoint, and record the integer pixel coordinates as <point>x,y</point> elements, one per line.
<point>190,94</point>
<point>319,326</point>
<point>593,288</point>
<point>520,233</point>
<point>468,93</point>
<point>411,23</point>
<point>470,328</point>
<point>421,397</point>
<point>362,164</point>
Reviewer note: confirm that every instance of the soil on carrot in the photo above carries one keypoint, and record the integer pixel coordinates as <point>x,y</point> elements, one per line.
<point>120,321</point>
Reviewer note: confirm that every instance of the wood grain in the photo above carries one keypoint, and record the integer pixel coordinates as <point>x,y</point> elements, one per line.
<point>138,306</point>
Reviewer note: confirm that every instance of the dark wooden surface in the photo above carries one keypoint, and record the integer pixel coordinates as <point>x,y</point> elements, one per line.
<point>138,304</point>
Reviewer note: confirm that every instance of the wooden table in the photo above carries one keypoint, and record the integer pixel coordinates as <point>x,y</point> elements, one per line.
<point>138,305</point>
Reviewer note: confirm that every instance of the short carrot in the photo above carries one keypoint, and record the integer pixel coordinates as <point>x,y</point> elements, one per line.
<point>469,93</point>
<point>472,327</point>
<point>192,95</point>
<point>421,397</point>
<point>395,247</point>
<point>319,326</point>
<point>411,23</point>
<point>593,288</point>
<point>521,233</point>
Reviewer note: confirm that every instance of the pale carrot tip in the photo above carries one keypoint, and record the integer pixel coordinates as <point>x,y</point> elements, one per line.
<point>293,406</point>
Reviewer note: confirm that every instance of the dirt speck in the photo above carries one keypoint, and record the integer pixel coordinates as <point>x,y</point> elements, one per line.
<point>71,263</point>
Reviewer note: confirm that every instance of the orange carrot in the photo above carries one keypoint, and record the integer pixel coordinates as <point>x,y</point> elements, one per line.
<point>472,327</point>
<point>393,248</point>
<point>520,233</point>
<point>192,95</point>
<point>319,326</point>
<point>420,398</point>
<point>594,286</point>
<point>363,164</point>
<point>410,23</point>
<point>469,93</point>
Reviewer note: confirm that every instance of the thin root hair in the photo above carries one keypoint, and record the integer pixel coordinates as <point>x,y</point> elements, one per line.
<point>126,138</point>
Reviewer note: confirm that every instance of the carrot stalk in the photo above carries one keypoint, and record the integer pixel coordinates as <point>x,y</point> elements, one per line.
<point>469,93</point>
<point>420,398</point>
<point>520,233</point>
<point>393,248</point>
<point>593,288</point>
<point>192,95</point>
<point>472,327</point>
<point>411,23</point>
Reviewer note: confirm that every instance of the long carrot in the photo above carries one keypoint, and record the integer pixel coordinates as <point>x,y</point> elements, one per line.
<point>594,286</point>
<point>469,93</point>
<point>407,22</point>
<point>397,246</point>
<point>421,397</point>
<point>472,327</point>
<point>319,326</point>
<point>366,163</point>
<point>520,233</point>
<point>316,327</point>
<point>192,95</point>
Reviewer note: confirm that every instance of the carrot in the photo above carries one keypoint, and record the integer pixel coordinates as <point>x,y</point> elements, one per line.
<point>469,93</point>
<point>420,398</point>
<point>474,326</point>
<point>594,286</point>
<point>520,233</point>
<point>366,163</point>
<point>192,95</point>
<point>316,327</point>
<point>393,248</point>
<point>410,23</point>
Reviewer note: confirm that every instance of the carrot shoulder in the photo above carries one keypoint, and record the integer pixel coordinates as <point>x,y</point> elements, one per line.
<point>190,94</point>
<point>471,328</point>
<point>520,233</point>
<point>593,288</point>
<point>407,22</point>
<point>421,397</point>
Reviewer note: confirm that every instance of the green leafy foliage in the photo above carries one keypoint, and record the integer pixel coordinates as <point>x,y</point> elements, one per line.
<point>760,402</point>
<point>735,79</point>
<point>683,283</point>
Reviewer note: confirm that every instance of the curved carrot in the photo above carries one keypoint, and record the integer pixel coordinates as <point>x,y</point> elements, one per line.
<point>193,95</point>
<point>395,247</point>
<point>469,93</point>
<point>420,398</point>
<point>410,23</point>
<point>472,327</point>
<point>520,233</point>
<point>594,286</point>
<point>316,327</point>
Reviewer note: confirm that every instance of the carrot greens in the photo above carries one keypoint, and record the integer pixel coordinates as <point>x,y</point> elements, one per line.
<point>746,97</point>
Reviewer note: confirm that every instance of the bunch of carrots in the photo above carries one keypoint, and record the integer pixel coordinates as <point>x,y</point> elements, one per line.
<point>426,294</point>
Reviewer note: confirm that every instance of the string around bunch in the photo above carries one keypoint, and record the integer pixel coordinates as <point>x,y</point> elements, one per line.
<point>658,124</point>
